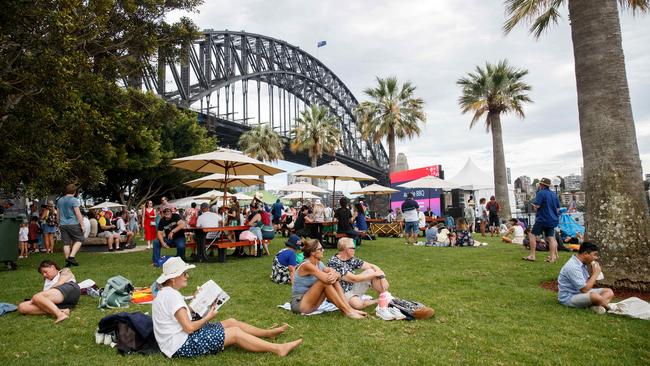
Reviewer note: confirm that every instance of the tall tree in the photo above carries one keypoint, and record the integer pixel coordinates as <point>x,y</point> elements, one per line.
<point>392,113</point>
<point>60,63</point>
<point>496,89</point>
<point>616,209</point>
<point>262,143</point>
<point>317,132</point>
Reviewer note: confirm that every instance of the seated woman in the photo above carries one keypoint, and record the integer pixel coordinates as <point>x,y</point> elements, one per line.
<point>360,218</point>
<point>313,282</point>
<point>285,262</point>
<point>516,231</point>
<point>60,293</point>
<point>179,336</point>
<point>463,236</point>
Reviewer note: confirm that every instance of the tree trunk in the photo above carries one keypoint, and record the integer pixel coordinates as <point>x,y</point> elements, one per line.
<point>314,163</point>
<point>499,165</point>
<point>616,209</point>
<point>392,156</point>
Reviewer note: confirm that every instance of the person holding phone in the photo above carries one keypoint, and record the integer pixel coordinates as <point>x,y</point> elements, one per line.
<point>180,336</point>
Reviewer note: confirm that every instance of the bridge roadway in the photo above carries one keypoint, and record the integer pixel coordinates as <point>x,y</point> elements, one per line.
<point>228,133</point>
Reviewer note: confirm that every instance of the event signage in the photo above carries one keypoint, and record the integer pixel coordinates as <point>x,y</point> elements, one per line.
<point>424,196</point>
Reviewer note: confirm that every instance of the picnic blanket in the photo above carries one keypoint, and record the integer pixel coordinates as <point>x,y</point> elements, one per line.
<point>634,308</point>
<point>325,307</point>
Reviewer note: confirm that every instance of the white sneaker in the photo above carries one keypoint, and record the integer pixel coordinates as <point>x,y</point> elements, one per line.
<point>617,308</point>
<point>598,309</point>
<point>384,313</point>
<point>396,313</point>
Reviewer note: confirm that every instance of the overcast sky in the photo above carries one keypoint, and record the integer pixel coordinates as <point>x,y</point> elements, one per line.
<point>433,43</point>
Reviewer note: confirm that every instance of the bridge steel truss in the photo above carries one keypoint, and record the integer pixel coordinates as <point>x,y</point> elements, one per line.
<point>221,60</point>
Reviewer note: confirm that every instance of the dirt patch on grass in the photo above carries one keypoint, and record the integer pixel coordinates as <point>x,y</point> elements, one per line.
<point>619,294</point>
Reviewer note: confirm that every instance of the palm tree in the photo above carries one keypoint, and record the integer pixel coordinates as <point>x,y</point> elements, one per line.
<point>262,143</point>
<point>616,210</point>
<point>317,132</point>
<point>497,89</point>
<point>393,112</point>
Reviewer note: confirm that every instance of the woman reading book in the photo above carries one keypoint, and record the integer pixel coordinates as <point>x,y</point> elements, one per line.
<point>179,336</point>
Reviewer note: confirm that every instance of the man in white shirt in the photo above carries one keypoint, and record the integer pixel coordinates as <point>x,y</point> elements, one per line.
<point>121,227</point>
<point>209,219</point>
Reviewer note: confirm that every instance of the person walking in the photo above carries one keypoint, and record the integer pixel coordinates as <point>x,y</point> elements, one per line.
<point>547,208</point>
<point>70,224</point>
<point>149,223</point>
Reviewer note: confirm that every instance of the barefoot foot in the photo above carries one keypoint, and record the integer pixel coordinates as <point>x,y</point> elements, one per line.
<point>285,348</point>
<point>274,332</point>
<point>63,315</point>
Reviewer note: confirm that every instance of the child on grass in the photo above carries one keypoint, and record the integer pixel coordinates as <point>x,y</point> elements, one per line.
<point>34,233</point>
<point>431,234</point>
<point>23,237</point>
<point>463,236</point>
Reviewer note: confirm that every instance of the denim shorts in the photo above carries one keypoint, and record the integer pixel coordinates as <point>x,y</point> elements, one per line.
<point>411,227</point>
<point>538,229</point>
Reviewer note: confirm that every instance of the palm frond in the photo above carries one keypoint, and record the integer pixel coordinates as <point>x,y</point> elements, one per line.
<point>641,6</point>
<point>538,13</point>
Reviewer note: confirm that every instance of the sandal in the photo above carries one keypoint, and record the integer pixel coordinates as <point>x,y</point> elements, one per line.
<point>528,259</point>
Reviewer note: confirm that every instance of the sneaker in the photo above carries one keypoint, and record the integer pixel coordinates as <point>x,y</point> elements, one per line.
<point>396,313</point>
<point>384,313</point>
<point>617,308</point>
<point>72,261</point>
<point>598,309</point>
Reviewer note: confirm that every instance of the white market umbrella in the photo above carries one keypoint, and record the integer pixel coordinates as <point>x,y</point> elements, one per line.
<point>225,161</point>
<point>108,204</point>
<point>375,190</point>
<point>300,196</point>
<point>334,170</point>
<point>220,181</point>
<point>430,182</point>
<point>302,187</point>
<point>207,196</point>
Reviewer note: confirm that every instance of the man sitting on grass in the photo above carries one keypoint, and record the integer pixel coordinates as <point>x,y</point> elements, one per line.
<point>576,284</point>
<point>355,285</point>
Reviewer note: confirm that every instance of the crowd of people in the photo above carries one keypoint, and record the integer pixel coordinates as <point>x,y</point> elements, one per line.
<point>344,281</point>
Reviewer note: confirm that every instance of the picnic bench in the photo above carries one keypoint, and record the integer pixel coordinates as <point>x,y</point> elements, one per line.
<point>222,244</point>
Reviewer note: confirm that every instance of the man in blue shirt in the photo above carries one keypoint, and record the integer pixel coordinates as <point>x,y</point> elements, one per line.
<point>70,224</point>
<point>546,219</point>
<point>575,284</point>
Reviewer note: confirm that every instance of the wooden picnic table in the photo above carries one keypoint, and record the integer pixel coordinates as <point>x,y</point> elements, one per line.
<point>319,227</point>
<point>222,244</point>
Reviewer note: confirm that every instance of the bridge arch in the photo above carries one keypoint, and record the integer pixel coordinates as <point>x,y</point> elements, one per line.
<point>219,67</point>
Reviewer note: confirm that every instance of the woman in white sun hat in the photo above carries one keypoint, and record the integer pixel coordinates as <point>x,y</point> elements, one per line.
<point>178,336</point>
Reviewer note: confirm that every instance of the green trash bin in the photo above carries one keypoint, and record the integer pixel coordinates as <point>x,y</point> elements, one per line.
<point>9,239</point>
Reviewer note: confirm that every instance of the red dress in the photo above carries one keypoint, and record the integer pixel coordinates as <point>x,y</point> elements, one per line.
<point>149,223</point>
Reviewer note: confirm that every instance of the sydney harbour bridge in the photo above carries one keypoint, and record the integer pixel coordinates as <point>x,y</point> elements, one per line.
<point>237,80</point>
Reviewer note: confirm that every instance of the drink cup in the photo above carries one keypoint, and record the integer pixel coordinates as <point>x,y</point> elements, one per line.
<point>601,276</point>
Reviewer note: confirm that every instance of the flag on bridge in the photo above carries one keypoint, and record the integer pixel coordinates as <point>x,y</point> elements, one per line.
<point>321,44</point>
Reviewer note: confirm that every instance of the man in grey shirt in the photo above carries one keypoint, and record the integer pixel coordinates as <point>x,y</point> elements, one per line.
<point>70,224</point>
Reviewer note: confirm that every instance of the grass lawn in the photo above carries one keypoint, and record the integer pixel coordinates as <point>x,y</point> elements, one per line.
<point>489,310</point>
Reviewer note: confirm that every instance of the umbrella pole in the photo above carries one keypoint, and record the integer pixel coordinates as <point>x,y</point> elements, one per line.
<point>225,186</point>
<point>334,193</point>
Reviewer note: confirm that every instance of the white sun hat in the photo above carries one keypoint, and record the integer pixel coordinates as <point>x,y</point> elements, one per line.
<point>173,268</point>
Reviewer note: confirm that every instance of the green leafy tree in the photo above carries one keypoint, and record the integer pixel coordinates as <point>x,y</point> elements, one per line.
<point>495,90</point>
<point>616,209</point>
<point>262,143</point>
<point>317,132</point>
<point>59,65</point>
<point>392,113</point>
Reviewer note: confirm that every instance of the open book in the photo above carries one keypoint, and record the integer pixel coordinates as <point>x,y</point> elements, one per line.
<point>208,294</point>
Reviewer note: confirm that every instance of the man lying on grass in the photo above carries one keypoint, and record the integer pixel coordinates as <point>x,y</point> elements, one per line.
<point>576,285</point>
<point>60,293</point>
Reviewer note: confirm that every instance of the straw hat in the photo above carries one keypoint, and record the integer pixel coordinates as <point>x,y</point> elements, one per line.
<point>259,195</point>
<point>173,268</point>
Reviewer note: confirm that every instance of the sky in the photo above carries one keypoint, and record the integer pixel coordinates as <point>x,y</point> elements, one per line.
<point>432,44</point>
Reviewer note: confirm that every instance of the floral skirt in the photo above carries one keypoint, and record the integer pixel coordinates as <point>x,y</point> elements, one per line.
<point>207,340</point>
